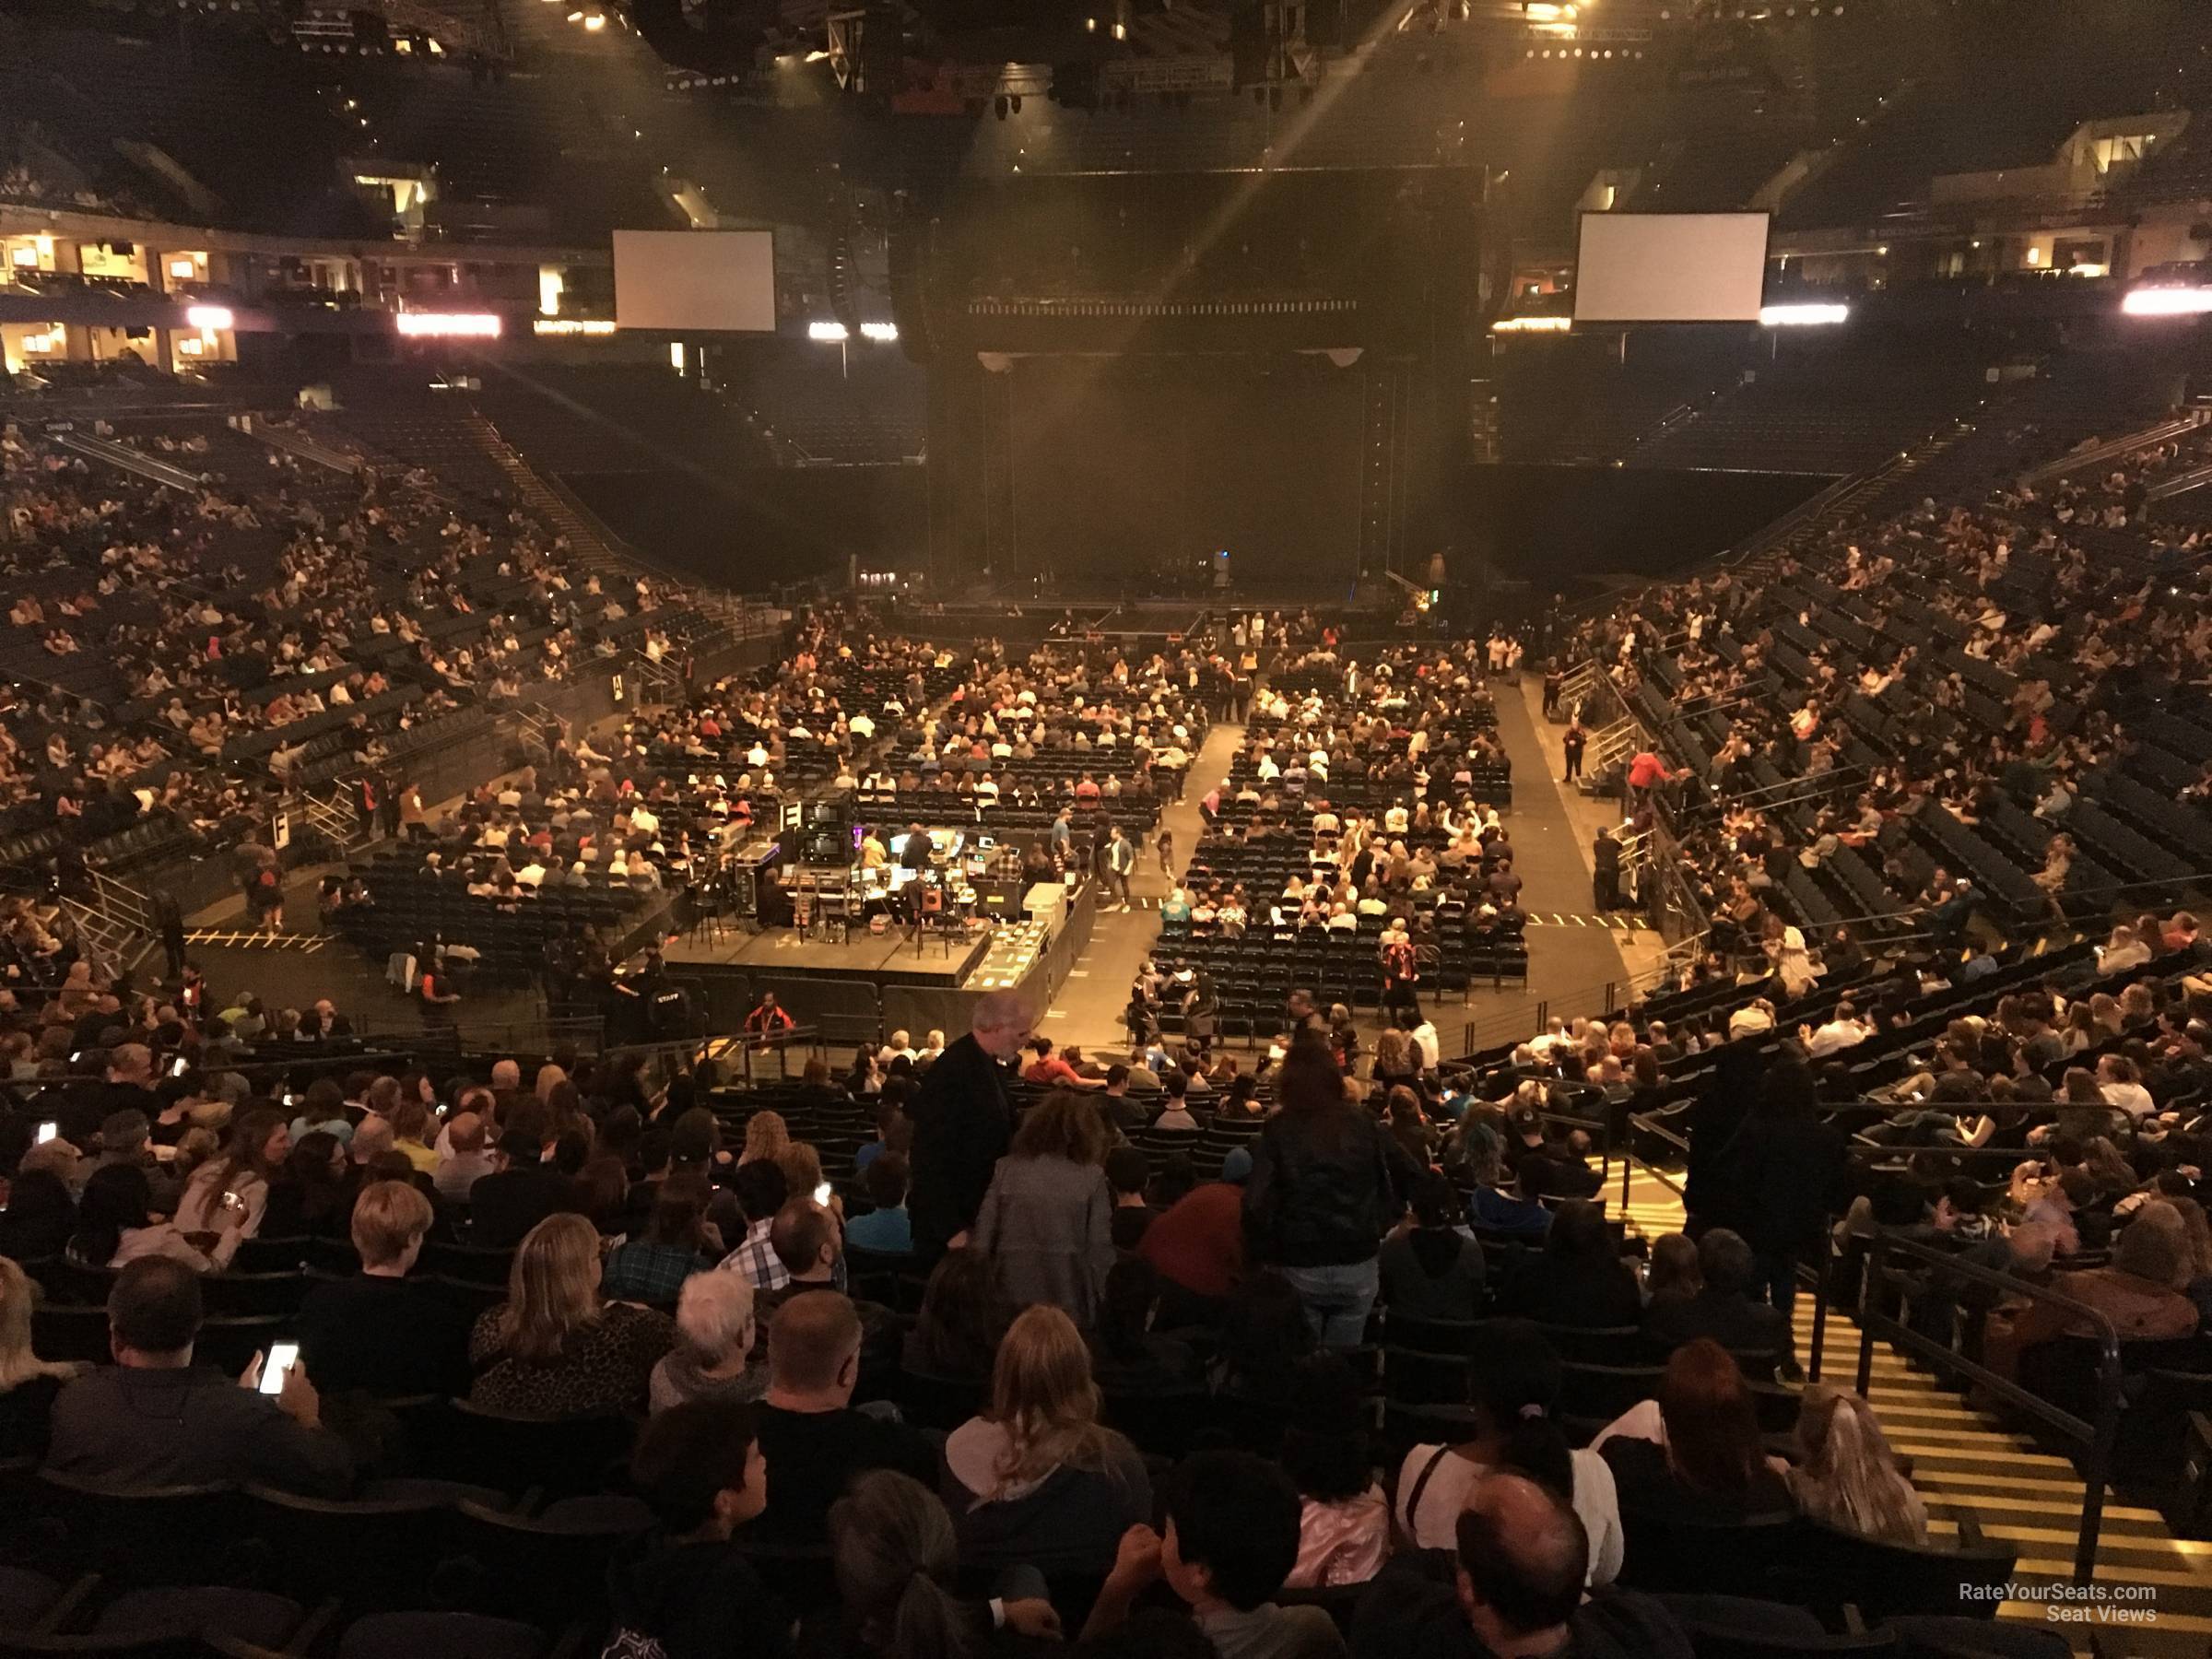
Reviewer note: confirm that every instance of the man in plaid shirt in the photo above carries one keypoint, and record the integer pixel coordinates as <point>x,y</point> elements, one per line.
<point>760,1190</point>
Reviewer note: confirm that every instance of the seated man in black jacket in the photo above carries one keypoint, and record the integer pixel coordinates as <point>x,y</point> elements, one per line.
<point>155,1418</point>
<point>1514,1585</point>
<point>524,1189</point>
<point>1723,1309</point>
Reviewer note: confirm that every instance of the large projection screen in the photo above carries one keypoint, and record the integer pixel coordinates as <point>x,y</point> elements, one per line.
<point>699,281</point>
<point>1670,268</point>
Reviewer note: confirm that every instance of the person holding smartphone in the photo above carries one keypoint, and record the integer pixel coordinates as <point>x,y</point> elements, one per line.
<point>155,1418</point>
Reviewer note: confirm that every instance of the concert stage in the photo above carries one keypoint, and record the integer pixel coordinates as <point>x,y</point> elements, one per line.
<point>871,984</point>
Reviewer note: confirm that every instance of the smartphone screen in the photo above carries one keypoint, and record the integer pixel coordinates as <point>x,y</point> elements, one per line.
<point>181,1066</point>
<point>48,1130</point>
<point>282,1357</point>
<point>821,1194</point>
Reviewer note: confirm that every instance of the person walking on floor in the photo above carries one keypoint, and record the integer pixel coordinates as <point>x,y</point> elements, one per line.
<point>1167,854</point>
<point>1121,860</point>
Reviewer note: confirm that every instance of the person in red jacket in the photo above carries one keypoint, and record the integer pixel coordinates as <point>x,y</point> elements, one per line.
<point>1197,1245</point>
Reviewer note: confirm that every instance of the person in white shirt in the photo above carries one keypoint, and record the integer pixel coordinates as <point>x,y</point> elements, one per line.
<point>1841,1031</point>
<point>2121,951</point>
<point>1425,1038</point>
<point>2122,1086</point>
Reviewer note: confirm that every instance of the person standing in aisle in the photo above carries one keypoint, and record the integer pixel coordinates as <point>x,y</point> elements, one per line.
<point>1574,742</point>
<point>1121,860</point>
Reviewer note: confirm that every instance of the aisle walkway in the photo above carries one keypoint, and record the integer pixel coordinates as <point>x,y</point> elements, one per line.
<point>1965,1460</point>
<point>1088,1008</point>
<point>1570,961</point>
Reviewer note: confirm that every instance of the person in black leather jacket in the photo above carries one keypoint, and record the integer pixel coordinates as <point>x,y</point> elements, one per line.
<point>1327,1182</point>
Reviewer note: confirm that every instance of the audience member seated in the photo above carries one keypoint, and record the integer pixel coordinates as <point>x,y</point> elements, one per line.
<point>655,1267</point>
<point>114,1227</point>
<point>1511,1582</point>
<point>1846,1475</point>
<point>716,1355</point>
<point>679,1590</point>
<point>380,1332</point>
<point>1231,1541</point>
<point>236,1181</point>
<point>1580,1280</point>
<point>524,1189</point>
<point>154,1418</point>
<point>28,1384</point>
<point>1037,1479</point>
<point>1512,1389</point>
<point>815,1439</point>
<point>1344,1530</point>
<point>310,1192</point>
<point>1704,1459</point>
<point>1721,1309</point>
<point>1431,1269</point>
<point>895,1553</point>
<point>555,1347</point>
<point>964,1317</point>
<point>1127,1355</point>
<point>884,1230</point>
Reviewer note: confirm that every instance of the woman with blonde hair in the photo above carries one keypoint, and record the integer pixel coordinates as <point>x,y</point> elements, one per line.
<point>554,1348</point>
<point>1047,1219</point>
<point>1037,1478</point>
<point>765,1138</point>
<point>28,1383</point>
<point>1847,1477</point>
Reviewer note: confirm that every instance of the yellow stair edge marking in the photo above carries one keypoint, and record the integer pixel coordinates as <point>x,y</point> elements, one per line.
<point>2005,1503</point>
<point>2107,1538</point>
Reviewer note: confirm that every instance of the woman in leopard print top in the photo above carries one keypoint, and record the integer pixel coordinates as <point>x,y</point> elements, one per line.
<point>554,1348</point>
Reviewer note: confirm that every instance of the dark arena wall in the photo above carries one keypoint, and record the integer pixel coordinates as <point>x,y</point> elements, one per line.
<point>1136,470</point>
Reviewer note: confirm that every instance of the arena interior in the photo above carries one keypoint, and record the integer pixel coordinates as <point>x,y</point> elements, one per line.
<point>1146,826</point>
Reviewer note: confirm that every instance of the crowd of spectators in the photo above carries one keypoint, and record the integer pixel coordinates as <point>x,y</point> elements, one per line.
<point>739,1291</point>
<point>1970,711</point>
<point>180,656</point>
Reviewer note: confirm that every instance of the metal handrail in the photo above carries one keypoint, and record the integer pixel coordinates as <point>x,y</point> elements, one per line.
<point>2099,1437</point>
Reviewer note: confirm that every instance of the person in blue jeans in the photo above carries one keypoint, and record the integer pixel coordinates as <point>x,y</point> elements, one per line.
<point>885,1228</point>
<point>1327,1182</point>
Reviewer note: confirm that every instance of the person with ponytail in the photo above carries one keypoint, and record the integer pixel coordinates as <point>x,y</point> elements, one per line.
<point>895,1554</point>
<point>679,1591</point>
<point>1512,1389</point>
<point>1847,1477</point>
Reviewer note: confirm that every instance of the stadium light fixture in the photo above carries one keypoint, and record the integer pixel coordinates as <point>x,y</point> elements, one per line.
<point>572,325</point>
<point>830,333</point>
<point>448,325</point>
<point>1532,325</point>
<point>208,316</point>
<point>2168,302</point>
<point>595,22</point>
<point>1803,315</point>
<point>882,332</point>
